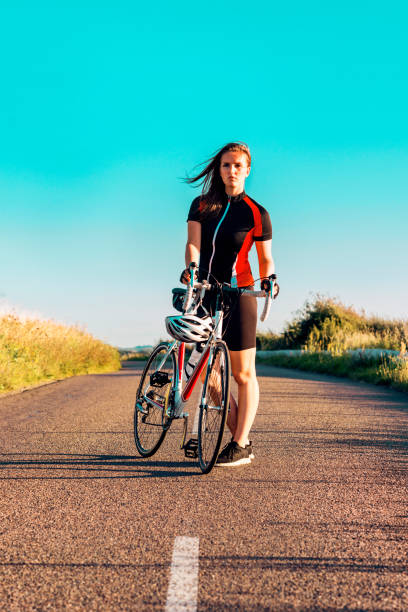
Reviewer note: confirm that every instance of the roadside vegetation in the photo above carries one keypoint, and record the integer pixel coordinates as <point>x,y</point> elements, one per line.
<point>34,351</point>
<point>126,355</point>
<point>326,331</point>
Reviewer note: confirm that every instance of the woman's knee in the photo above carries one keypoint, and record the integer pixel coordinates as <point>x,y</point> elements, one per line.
<point>243,377</point>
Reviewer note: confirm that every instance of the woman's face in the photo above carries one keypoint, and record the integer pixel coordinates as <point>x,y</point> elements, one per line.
<point>233,170</point>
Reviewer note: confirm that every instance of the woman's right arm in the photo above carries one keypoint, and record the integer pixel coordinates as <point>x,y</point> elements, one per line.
<point>193,242</point>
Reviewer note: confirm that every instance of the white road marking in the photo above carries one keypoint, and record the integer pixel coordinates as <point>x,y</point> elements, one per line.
<point>183,585</point>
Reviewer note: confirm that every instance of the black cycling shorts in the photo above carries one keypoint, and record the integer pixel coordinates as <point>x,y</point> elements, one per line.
<point>240,319</point>
<point>239,325</point>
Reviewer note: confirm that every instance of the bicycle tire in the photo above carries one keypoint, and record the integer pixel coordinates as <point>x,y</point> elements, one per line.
<point>214,410</point>
<point>151,422</point>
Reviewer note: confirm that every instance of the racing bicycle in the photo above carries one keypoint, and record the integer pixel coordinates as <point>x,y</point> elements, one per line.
<point>163,390</point>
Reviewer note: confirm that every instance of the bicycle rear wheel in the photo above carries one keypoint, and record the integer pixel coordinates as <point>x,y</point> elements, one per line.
<point>151,419</point>
<point>214,407</point>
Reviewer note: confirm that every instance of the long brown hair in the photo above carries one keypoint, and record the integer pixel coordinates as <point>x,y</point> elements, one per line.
<point>213,188</point>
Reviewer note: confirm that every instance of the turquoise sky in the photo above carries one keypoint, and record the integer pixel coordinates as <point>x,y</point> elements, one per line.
<point>105,107</point>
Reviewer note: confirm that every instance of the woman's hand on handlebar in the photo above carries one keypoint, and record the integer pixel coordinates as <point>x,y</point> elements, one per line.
<point>266,286</point>
<point>186,274</point>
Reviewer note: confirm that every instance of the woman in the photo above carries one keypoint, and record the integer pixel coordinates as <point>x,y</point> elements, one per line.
<point>223,223</point>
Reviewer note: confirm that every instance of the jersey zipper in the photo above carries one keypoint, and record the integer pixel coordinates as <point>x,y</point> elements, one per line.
<point>214,237</point>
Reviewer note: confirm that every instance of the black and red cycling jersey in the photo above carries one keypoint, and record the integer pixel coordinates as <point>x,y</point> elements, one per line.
<point>227,237</point>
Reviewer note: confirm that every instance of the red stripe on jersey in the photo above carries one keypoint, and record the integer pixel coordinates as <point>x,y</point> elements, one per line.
<point>242,267</point>
<point>257,217</point>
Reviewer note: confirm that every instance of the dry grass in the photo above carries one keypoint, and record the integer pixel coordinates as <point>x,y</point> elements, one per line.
<point>34,351</point>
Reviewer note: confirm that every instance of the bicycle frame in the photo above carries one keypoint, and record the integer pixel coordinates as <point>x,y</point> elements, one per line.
<point>163,389</point>
<point>180,396</point>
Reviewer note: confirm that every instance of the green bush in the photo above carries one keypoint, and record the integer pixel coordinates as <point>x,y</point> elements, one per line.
<point>327,324</point>
<point>325,329</point>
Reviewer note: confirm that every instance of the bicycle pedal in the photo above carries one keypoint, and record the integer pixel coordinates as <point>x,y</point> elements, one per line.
<point>191,448</point>
<point>159,379</point>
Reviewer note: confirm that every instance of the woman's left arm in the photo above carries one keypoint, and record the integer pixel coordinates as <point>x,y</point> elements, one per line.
<point>265,259</point>
<point>266,263</point>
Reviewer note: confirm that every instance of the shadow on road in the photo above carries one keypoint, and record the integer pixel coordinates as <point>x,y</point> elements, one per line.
<point>118,466</point>
<point>295,564</point>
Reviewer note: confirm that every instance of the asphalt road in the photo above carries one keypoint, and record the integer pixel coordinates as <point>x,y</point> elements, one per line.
<point>318,521</point>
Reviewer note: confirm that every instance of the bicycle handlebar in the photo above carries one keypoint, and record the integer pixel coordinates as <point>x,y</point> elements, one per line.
<point>188,298</point>
<point>267,305</point>
<point>189,291</point>
<point>205,285</point>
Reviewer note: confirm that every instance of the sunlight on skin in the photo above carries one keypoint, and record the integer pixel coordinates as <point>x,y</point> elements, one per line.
<point>242,415</point>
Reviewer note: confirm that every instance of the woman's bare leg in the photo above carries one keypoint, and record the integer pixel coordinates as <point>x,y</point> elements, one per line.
<point>232,415</point>
<point>243,370</point>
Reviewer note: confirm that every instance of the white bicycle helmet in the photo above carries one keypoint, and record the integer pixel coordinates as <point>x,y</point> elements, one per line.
<point>189,327</point>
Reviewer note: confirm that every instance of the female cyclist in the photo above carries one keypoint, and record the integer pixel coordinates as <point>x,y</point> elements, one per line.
<point>223,223</point>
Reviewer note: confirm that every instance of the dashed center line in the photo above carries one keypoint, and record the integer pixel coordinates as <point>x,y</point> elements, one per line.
<point>183,585</point>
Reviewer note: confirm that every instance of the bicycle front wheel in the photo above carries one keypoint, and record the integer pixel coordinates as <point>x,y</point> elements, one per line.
<point>214,407</point>
<point>151,419</point>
